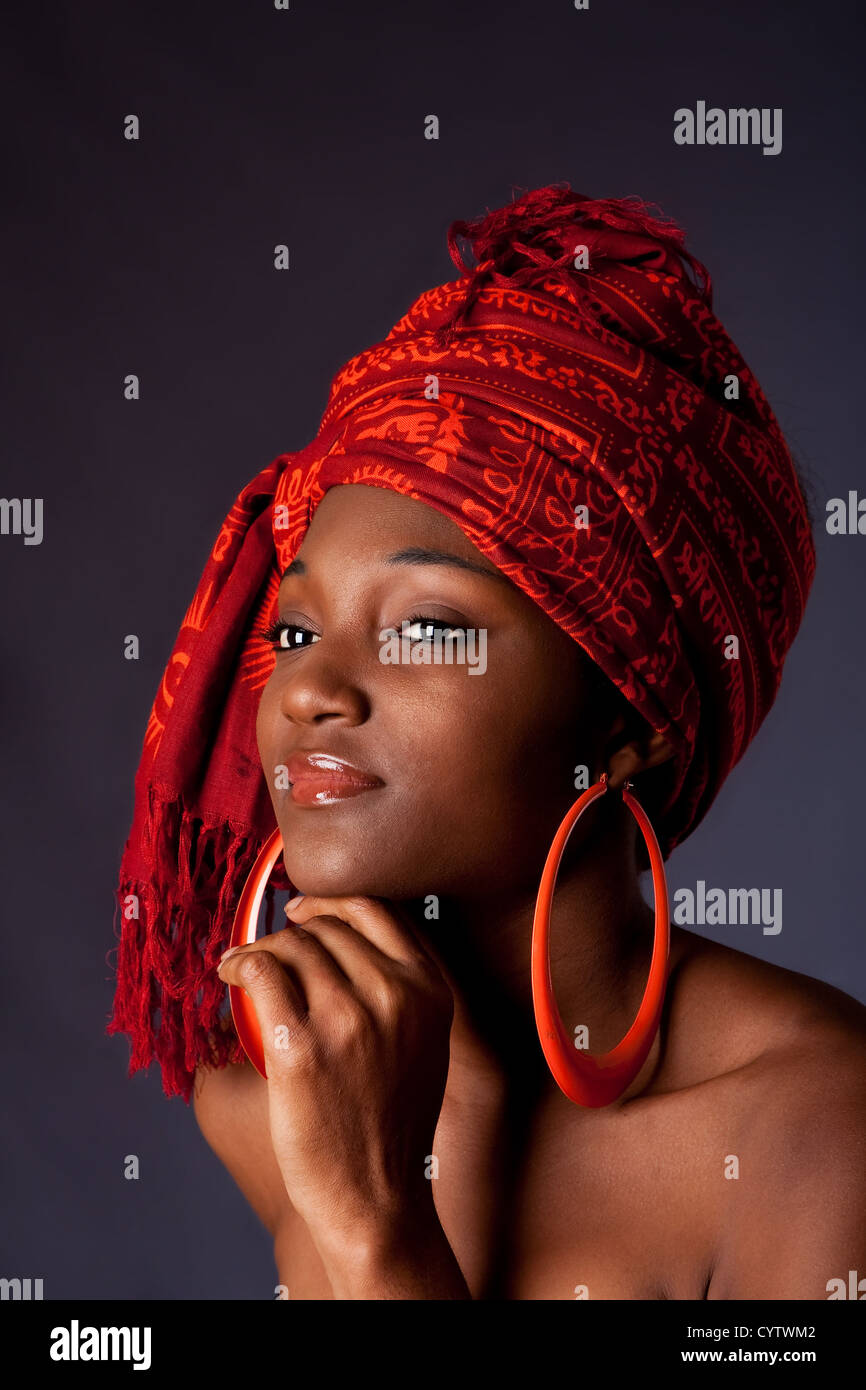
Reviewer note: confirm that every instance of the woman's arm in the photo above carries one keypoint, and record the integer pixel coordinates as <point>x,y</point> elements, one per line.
<point>231,1109</point>
<point>412,1260</point>
<point>355,1018</point>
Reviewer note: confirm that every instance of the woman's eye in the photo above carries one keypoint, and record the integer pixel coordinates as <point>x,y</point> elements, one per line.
<point>289,636</point>
<point>425,629</point>
<point>292,637</point>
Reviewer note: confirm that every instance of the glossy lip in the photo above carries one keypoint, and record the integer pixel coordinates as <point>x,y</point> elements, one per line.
<point>321,779</point>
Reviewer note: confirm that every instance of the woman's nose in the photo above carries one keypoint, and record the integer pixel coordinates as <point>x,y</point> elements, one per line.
<point>323,686</point>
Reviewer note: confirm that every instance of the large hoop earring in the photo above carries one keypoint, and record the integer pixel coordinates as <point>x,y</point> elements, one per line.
<point>588,1080</point>
<point>243,933</point>
<point>584,1079</point>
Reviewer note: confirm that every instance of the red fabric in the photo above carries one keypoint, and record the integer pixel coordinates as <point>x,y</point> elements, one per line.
<point>557,387</point>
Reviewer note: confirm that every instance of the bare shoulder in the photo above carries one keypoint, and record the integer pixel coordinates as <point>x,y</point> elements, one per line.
<point>231,1109</point>
<point>785,1056</point>
<point>730,1010</point>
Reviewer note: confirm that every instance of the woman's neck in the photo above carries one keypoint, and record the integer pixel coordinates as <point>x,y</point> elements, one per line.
<point>601,938</point>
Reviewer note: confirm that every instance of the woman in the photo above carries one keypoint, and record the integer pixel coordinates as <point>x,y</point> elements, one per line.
<point>559,471</point>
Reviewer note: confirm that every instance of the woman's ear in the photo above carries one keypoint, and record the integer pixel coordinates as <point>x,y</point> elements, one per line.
<point>631,745</point>
<point>630,751</point>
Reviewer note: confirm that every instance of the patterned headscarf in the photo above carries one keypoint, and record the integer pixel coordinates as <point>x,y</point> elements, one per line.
<point>573,404</point>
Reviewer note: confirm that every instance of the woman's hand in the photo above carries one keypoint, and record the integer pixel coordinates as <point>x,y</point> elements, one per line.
<point>355,1016</point>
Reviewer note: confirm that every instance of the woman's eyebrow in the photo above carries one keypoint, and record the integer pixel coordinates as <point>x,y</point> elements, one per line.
<point>417,555</point>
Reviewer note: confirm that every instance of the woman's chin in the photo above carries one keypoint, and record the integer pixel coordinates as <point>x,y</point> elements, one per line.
<point>339,880</point>
<point>359,881</point>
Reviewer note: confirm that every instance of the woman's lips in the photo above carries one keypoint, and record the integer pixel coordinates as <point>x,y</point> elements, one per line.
<point>320,779</point>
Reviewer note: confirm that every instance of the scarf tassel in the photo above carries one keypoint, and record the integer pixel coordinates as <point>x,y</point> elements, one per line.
<point>175,925</point>
<point>531,239</point>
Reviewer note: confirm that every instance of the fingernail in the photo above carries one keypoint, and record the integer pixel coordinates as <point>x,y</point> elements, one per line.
<point>230,952</point>
<point>293,902</point>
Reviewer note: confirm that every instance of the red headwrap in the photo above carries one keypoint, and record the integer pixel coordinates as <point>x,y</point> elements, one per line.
<point>577,366</point>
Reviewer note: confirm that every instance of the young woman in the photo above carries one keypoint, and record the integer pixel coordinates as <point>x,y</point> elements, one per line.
<point>548,538</point>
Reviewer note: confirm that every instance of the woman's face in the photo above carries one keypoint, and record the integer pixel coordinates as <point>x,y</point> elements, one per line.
<point>475,768</point>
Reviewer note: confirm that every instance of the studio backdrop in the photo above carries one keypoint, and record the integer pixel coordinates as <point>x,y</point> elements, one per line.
<point>209,209</point>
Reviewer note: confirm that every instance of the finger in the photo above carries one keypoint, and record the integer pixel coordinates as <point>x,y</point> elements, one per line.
<point>358,957</point>
<point>280,1008</point>
<point>384,927</point>
<point>309,969</point>
<point>413,947</point>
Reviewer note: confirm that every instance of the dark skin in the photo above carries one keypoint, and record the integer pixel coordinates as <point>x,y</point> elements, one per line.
<point>405,1037</point>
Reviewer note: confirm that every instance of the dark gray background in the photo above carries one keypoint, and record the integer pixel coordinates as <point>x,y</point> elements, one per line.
<point>306,127</point>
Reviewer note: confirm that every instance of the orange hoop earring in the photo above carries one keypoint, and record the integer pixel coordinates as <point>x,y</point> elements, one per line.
<point>587,1080</point>
<point>244,932</point>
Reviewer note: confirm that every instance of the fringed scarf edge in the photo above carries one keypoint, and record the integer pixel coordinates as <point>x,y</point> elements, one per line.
<point>175,925</point>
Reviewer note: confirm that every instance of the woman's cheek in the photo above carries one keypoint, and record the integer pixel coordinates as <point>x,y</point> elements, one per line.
<point>266,725</point>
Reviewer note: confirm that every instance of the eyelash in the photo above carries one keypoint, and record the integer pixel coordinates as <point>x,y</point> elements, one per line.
<point>273,633</point>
